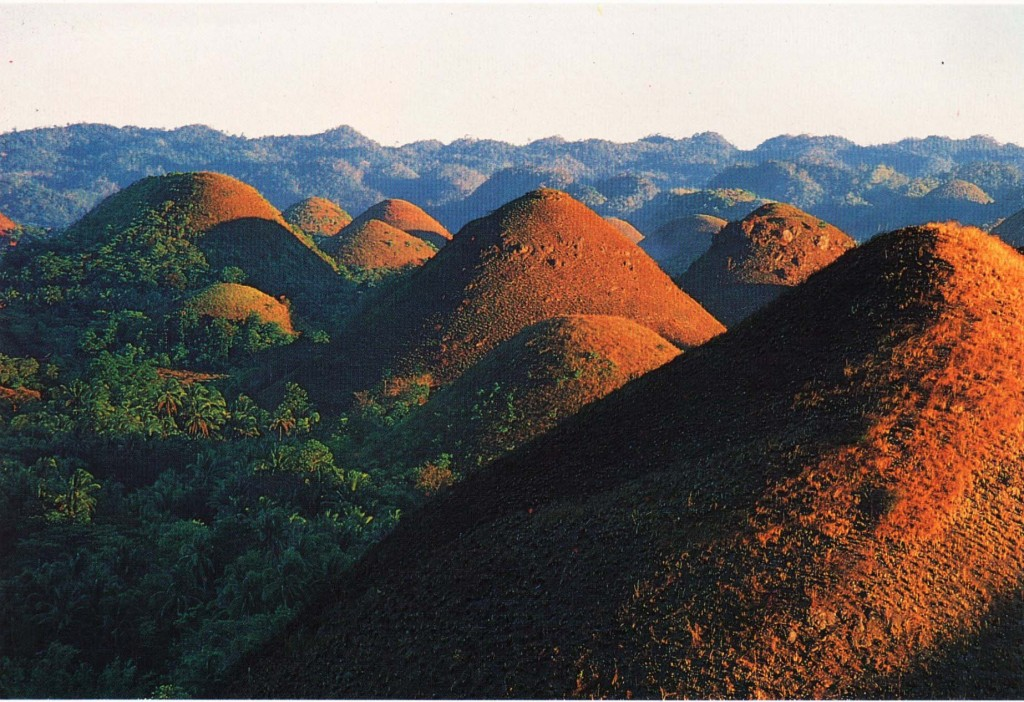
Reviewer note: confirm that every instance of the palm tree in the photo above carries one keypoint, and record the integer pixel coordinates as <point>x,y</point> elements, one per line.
<point>170,398</point>
<point>204,410</point>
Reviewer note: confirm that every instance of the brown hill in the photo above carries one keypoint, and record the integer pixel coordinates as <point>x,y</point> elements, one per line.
<point>824,502</point>
<point>373,245</point>
<point>679,243</point>
<point>752,261</point>
<point>960,191</point>
<point>543,255</point>
<point>200,202</point>
<point>408,217</point>
<point>238,303</point>
<point>1011,229</point>
<point>626,229</point>
<point>229,220</point>
<point>317,216</point>
<point>525,386</point>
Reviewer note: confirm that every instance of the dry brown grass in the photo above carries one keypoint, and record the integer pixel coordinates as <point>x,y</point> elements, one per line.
<point>543,255</point>
<point>820,503</point>
<point>410,218</point>
<point>373,245</point>
<point>7,225</point>
<point>527,385</point>
<point>752,260</point>
<point>317,216</point>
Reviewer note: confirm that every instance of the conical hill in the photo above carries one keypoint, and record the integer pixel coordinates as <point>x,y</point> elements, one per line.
<point>626,229</point>
<point>317,216</point>
<point>373,245</point>
<point>238,303</point>
<point>410,218</point>
<point>526,385</point>
<point>543,255</point>
<point>677,244</point>
<point>820,503</point>
<point>752,261</point>
<point>229,220</point>
<point>1011,229</point>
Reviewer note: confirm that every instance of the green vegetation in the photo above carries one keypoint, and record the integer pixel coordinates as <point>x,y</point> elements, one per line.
<point>52,176</point>
<point>157,522</point>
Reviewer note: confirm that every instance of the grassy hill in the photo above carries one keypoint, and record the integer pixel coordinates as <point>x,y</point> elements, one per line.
<point>822,502</point>
<point>543,255</point>
<point>524,387</point>
<point>374,246</point>
<point>680,242</point>
<point>317,216</point>
<point>750,262</point>
<point>408,217</point>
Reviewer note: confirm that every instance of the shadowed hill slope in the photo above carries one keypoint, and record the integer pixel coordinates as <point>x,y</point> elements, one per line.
<point>815,504</point>
<point>679,243</point>
<point>543,255</point>
<point>238,303</point>
<point>752,261</point>
<point>1011,229</point>
<point>408,217</point>
<point>525,386</point>
<point>626,229</point>
<point>373,245</point>
<point>317,216</point>
<point>229,220</point>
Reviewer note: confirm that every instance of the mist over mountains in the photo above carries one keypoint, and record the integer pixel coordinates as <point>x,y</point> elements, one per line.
<point>50,177</point>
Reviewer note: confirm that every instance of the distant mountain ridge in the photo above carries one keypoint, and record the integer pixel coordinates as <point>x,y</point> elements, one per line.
<point>51,176</point>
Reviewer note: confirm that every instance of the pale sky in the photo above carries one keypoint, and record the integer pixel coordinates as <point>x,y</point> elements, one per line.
<point>399,73</point>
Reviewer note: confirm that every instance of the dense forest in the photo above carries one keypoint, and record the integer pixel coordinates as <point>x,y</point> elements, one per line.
<point>51,177</point>
<point>156,522</point>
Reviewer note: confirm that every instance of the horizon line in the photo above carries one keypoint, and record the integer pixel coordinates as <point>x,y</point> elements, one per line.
<point>467,137</point>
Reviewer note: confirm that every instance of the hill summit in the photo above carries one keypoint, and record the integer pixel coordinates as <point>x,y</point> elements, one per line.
<point>960,191</point>
<point>1011,229</point>
<point>543,255</point>
<point>229,220</point>
<point>752,261</point>
<point>410,218</point>
<point>317,216</point>
<point>240,302</point>
<point>200,200</point>
<point>819,503</point>
<point>626,229</point>
<point>373,245</point>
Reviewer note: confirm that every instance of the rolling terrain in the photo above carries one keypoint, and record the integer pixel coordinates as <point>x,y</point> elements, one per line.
<point>247,453</point>
<point>825,501</point>
<point>51,177</point>
<point>543,255</point>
